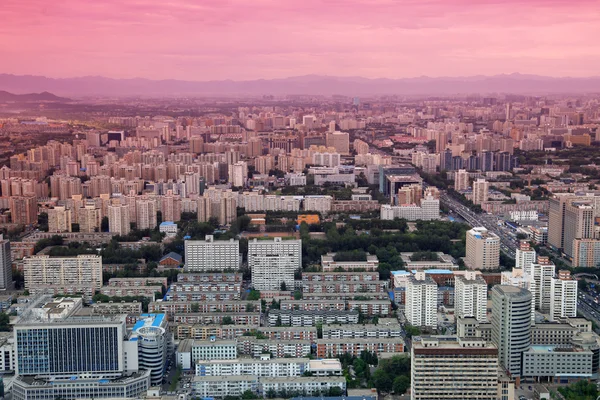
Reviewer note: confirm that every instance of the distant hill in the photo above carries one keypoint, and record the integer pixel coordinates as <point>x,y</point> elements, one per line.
<point>44,96</point>
<point>309,84</point>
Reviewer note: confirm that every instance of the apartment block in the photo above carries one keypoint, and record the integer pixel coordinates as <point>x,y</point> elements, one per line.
<point>452,368</point>
<point>274,262</point>
<point>210,254</point>
<point>482,249</point>
<point>355,346</point>
<point>310,318</point>
<point>63,275</point>
<point>421,301</point>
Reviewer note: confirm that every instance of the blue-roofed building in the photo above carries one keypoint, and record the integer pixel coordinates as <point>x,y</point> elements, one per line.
<point>151,334</point>
<point>168,228</point>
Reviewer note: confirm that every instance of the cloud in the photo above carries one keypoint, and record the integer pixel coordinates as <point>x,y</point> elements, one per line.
<point>238,39</point>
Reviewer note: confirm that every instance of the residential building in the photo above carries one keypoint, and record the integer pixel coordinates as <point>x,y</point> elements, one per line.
<point>480,191</point>
<point>213,350</point>
<point>311,318</point>
<point>274,262</point>
<point>118,219</point>
<point>586,253</point>
<point>264,366</point>
<point>470,296</point>
<point>511,326</point>
<point>338,140</point>
<point>23,209</point>
<point>453,368</point>
<point>542,273</point>
<point>6,280</point>
<point>563,296</point>
<point>482,249</point>
<point>579,224</point>
<point>63,275</point>
<point>421,301</point>
<point>355,346</point>
<point>525,255</point>
<point>461,180</point>
<point>210,254</point>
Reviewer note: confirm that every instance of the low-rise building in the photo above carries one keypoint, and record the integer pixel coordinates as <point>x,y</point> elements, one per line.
<point>354,346</point>
<point>558,364</point>
<point>255,347</point>
<point>310,318</point>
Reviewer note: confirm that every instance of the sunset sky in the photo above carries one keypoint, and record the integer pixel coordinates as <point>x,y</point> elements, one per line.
<point>250,39</point>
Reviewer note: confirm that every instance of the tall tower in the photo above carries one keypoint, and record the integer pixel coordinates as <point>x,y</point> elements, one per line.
<point>5,264</point>
<point>511,326</point>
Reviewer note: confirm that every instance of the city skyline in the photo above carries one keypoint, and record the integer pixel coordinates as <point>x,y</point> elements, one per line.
<point>232,40</point>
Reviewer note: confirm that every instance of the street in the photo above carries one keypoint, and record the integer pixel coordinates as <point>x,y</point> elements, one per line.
<point>508,242</point>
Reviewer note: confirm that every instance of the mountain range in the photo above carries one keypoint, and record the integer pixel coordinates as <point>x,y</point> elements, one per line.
<point>29,97</point>
<point>308,85</point>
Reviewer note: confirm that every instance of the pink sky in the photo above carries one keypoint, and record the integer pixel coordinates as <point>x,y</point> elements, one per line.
<point>249,39</point>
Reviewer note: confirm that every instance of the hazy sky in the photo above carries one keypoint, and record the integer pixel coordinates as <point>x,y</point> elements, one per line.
<point>248,39</point>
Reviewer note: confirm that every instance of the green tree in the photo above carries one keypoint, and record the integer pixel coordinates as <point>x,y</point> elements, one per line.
<point>195,307</point>
<point>401,384</point>
<point>382,381</point>
<point>297,295</point>
<point>227,320</point>
<point>43,221</point>
<point>254,295</point>
<point>283,287</point>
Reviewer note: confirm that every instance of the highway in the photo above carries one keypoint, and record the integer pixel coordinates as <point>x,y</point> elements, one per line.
<point>508,241</point>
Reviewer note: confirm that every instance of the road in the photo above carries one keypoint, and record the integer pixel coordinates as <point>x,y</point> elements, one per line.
<point>587,306</point>
<point>508,241</point>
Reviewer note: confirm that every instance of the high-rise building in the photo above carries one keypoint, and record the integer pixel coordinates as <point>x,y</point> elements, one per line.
<point>145,214</point>
<point>203,210</point>
<point>480,191</point>
<point>273,262</point>
<point>23,209</point>
<point>482,249</point>
<point>339,140</point>
<point>171,207</point>
<point>518,278</point>
<point>563,296</point>
<point>461,180</point>
<point>556,219</point>
<point>421,301</point>
<point>542,273</point>
<point>89,219</point>
<point>238,174</point>
<point>525,255</point>
<point>448,367</point>
<point>118,219</point>
<point>63,275</point>
<point>511,326</point>
<point>59,219</point>
<point>209,254</point>
<point>6,281</point>
<point>578,224</point>
<point>60,354</point>
<point>470,296</point>
<point>586,253</point>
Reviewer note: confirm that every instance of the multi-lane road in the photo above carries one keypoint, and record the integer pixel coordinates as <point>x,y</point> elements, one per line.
<point>508,241</point>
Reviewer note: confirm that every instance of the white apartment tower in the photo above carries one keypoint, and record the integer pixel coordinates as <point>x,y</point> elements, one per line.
<point>563,296</point>
<point>421,301</point>
<point>542,273</point>
<point>209,254</point>
<point>482,249</point>
<point>461,180</point>
<point>481,189</point>
<point>118,219</point>
<point>525,255</point>
<point>273,262</point>
<point>470,299</point>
